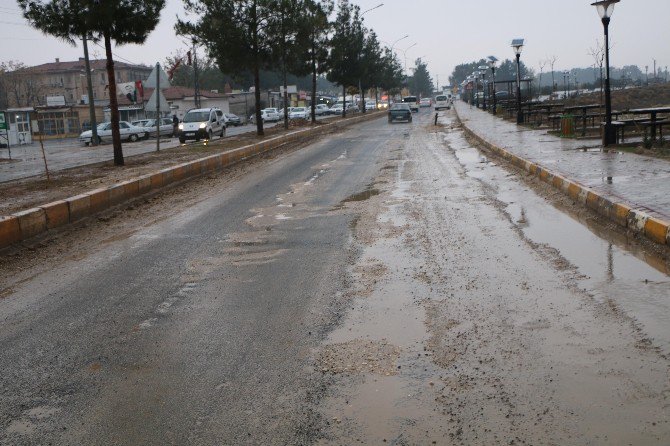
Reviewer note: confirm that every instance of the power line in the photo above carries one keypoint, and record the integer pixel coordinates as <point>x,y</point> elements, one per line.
<point>18,38</point>
<point>14,23</point>
<point>116,55</point>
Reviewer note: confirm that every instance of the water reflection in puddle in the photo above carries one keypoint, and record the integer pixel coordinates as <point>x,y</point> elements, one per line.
<point>610,267</point>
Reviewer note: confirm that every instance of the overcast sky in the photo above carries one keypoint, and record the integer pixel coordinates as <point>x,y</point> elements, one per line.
<point>446,33</point>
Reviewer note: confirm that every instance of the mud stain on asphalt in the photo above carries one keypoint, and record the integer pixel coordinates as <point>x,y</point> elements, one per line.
<point>502,337</point>
<point>362,196</point>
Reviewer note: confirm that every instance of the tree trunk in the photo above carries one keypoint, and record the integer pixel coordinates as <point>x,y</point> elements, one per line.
<point>89,90</point>
<point>257,96</point>
<point>313,109</point>
<point>285,98</point>
<point>344,101</point>
<point>360,92</point>
<point>113,104</point>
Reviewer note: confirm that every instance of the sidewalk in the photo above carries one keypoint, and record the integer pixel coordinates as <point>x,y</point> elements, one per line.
<point>641,181</point>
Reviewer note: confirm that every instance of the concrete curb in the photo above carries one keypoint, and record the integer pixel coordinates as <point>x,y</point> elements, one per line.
<point>31,222</point>
<point>622,214</point>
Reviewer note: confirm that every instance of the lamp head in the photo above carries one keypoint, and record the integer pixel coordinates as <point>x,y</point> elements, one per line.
<point>492,61</point>
<point>517,44</point>
<point>605,8</point>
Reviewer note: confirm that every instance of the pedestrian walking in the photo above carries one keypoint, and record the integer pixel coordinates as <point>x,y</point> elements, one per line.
<point>175,125</point>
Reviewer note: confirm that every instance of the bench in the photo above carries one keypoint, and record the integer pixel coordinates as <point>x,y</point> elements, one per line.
<point>621,124</point>
<point>647,124</point>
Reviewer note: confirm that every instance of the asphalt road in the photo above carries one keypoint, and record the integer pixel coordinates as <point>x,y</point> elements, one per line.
<point>389,284</point>
<point>194,329</point>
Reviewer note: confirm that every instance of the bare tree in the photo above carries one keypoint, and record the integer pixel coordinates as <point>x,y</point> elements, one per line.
<point>542,64</point>
<point>552,61</point>
<point>18,88</point>
<point>598,54</point>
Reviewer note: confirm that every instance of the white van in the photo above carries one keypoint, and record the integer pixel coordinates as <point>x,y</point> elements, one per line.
<point>202,123</point>
<point>413,102</point>
<point>442,101</point>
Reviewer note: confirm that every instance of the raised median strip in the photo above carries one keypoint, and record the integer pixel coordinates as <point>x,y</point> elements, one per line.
<point>29,223</point>
<point>623,214</point>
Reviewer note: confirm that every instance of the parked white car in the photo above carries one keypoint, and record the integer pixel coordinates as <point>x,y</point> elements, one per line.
<point>267,115</point>
<point>370,105</point>
<point>298,113</point>
<point>166,127</point>
<point>126,129</point>
<point>321,109</point>
<point>336,109</point>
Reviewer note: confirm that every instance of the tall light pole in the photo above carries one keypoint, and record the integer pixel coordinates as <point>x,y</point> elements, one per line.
<point>360,88</point>
<point>388,93</point>
<point>483,69</point>
<point>517,44</point>
<point>566,79</point>
<point>492,64</point>
<point>605,10</point>
<point>404,54</point>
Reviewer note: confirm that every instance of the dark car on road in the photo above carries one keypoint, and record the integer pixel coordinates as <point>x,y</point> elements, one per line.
<point>400,112</point>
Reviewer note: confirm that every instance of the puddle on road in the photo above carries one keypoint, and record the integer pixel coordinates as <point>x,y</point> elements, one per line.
<point>377,356</point>
<point>361,196</point>
<point>610,267</point>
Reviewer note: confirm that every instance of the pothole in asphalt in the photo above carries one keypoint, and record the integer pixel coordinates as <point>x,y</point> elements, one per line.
<point>361,196</point>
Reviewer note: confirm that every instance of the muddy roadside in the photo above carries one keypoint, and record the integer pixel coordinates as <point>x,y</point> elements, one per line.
<point>653,253</point>
<point>34,191</point>
<point>461,330</point>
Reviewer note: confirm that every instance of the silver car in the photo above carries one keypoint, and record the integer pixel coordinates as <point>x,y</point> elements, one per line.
<point>166,127</point>
<point>126,129</point>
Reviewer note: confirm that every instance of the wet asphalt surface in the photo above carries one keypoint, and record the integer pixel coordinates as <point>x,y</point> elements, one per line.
<point>386,285</point>
<point>640,180</point>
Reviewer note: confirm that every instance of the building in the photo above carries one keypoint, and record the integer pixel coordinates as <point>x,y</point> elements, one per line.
<point>53,97</point>
<point>64,83</point>
<point>179,101</point>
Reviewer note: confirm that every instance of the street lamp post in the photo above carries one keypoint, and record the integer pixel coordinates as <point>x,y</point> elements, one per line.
<point>517,44</point>
<point>360,88</point>
<point>475,78</point>
<point>388,93</point>
<point>605,10</point>
<point>565,84</point>
<point>404,54</point>
<point>473,87</point>
<point>492,64</point>
<point>482,70</point>
<point>568,84</point>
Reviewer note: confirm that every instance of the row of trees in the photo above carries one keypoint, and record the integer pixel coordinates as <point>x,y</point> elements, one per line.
<point>505,71</point>
<point>246,38</point>
<point>211,78</point>
<point>129,21</point>
<point>546,82</point>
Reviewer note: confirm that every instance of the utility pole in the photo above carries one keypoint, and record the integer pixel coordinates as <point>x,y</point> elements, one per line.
<point>646,73</point>
<point>89,87</point>
<point>654,70</point>
<point>158,107</point>
<point>196,85</point>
